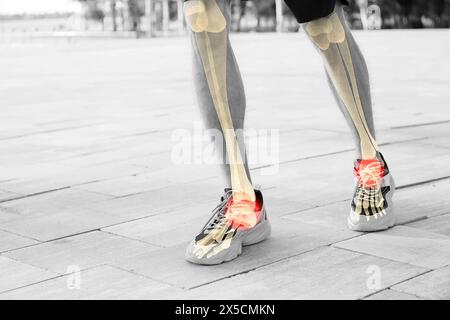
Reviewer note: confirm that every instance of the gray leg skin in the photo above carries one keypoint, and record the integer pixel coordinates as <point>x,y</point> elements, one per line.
<point>339,54</point>
<point>347,73</point>
<point>235,94</point>
<point>362,78</point>
<point>221,96</point>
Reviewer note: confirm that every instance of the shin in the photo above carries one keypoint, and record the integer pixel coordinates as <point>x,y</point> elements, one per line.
<point>208,23</point>
<point>348,75</point>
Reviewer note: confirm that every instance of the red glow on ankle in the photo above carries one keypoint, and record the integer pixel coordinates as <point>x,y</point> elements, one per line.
<point>247,220</point>
<point>369,172</point>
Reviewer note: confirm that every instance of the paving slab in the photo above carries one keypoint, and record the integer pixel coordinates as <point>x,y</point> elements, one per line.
<point>432,285</point>
<point>16,274</point>
<point>439,224</point>
<point>52,202</point>
<point>411,204</point>
<point>390,294</point>
<point>335,215</point>
<point>163,200</point>
<point>320,274</point>
<point>82,251</point>
<point>288,238</point>
<point>62,224</point>
<point>302,180</point>
<point>147,181</point>
<point>11,241</point>
<point>55,214</point>
<point>404,244</point>
<point>39,178</point>
<point>430,199</point>
<point>98,283</point>
<point>182,224</point>
<point>165,230</point>
<point>7,195</point>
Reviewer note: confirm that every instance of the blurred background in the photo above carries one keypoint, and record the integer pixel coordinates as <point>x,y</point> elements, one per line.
<point>151,18</point>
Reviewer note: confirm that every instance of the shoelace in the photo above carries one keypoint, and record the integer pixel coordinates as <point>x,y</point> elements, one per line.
<point>220,216</point>
<point>233,214</point>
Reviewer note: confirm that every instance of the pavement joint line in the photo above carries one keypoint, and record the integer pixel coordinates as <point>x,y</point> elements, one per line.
<point>397,283</point>
<point>422,182</point>
<point>207,178</point>
<point>396,225</point>
<point>74,186</point>
<point>29,264</point>
<point>31,284</point>
<point>421,124</point>
<point>57,276</point>
<point>401,187</point>
<point>70,235</point>
<point>77,187</point>
<point>133,272</point>
<point>337,152</point>
<point>375,256</point>
<point>433,217</point>
<point>126,136</point>
<point>24,247</point>
<point>271,263</point>
<point>167,186</point>
<point>100,229</point>
<point>50,240</point>
<point>35,194</point>
<point>157,280</point>
<point>18,234</point>
<point>133,239</point>
<point>60,275</point>
<point>285,216</point>
<point>45,132</point>
<point>254,268</point>
<point>90,153</point>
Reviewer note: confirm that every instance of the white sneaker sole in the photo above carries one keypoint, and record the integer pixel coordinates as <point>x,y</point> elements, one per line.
<point>374,224</point>
<point>245,238</point>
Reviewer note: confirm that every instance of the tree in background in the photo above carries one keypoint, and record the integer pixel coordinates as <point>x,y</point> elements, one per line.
<point>414,13</point>
<point>93,11</point>
<point>114,14</point>
<point>136,10</point>
<point>262,10</point>
<point>389,13</point>
<point>265,9</point>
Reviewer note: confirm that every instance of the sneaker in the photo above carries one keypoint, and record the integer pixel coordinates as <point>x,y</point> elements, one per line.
<point>224,235</point>
<point>372,207</point>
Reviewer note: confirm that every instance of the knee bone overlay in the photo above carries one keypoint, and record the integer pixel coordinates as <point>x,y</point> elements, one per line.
<point>326,31</point>
<point>204,16</point>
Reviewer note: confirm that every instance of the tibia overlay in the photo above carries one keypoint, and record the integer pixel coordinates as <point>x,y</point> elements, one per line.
<point>328,34</point>
<point>210,30</point>
<point>209,27</point>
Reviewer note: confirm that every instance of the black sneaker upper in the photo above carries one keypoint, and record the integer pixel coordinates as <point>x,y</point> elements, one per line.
<point>219,219</point>
<point>370,201</point>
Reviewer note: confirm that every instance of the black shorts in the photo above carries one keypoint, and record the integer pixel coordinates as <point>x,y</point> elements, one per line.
<point>308,10</point>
